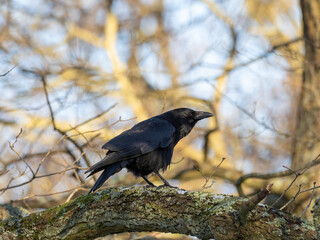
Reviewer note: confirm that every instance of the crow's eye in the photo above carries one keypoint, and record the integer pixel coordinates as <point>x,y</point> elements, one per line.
<point>190,115</point>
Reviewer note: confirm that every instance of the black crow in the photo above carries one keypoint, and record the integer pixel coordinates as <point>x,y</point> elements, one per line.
<point>148,146</point>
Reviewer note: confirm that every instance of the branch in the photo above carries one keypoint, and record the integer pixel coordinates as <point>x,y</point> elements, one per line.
<point>247,206</point>
<point>285,173</point>
<point>4,74</point>
<point>136,209</point>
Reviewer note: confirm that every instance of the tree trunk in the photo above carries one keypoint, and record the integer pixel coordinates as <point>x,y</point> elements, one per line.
<point>306,143</point>
<point>136,209</point>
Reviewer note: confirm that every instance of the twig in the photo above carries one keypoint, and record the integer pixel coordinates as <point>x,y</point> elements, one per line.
<point>286,173</point>
<point>34,173</point>
<point>250,204</point>
<point>55,193</point>
<point>206,143</point>
<point>285,191</point>
<point>93,118</point>
<point>4,74</point>
<point>164,103</point>
<point>173,162</point>
<point>211,176</point>
<point>314,184</point>
<point>309,189</point>
<point>40,176</point>
<point>12,148</point>
<point>62,132</point>
<point>254,118</point>
<point>292,199</point>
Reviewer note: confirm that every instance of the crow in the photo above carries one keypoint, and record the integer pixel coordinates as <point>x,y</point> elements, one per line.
<point>147,147</point>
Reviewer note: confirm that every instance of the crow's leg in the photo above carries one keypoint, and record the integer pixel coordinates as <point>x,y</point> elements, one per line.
<point>150,183</point>
<point>163,180</point>
<point>166,184</point>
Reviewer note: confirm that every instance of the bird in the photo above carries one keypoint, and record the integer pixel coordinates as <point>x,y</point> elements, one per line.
<point>147,147</point>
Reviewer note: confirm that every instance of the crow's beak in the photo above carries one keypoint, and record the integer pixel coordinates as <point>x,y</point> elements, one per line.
<point>202,115</point>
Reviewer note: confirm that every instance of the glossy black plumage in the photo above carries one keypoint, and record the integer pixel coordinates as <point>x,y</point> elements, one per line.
<point>148,146</point>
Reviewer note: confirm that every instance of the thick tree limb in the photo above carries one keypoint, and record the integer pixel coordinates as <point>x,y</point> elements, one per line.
<point>135,209</point>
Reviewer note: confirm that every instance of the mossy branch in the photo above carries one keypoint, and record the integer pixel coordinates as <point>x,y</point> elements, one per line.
<point>135,209</point>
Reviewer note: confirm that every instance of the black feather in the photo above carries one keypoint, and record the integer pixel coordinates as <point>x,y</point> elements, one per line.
<point>148,146</point>
<point>108,172</point>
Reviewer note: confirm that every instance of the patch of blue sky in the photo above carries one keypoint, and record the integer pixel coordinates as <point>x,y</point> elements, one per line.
<point>50,34</point>
<point>123,45</point>
<point>152,67</point>
<point>36,6</point>
<point>121,9</point>
<point>100,59</point>
<point>181,13</point>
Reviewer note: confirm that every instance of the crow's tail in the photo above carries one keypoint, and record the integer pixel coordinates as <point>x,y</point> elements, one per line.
<point>108,172</point>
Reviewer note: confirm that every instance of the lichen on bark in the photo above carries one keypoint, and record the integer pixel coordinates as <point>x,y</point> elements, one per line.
<point>134,209</point>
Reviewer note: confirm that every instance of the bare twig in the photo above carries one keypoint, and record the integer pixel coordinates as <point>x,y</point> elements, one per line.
<point>206,143</point>
<point>285,191</point>
<point>309,189</point>
<point>4,74</point>
<point>34,173</point>
<point>93,118</point>
<point>62,132</point>
<point>81,187</point>
<point>211,176</point>
<point>181,159</point>
<point>254,118</point>
<point>292,199</point>
<point>250,204</point>
<point>11,145</point>
<point>314,185</point>
<point>164,103</point>
<point>3,172</point>
<point>39,176</point>
<point>286,173</point>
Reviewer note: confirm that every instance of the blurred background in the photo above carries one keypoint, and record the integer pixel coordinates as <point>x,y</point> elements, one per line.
<point>77,73</point>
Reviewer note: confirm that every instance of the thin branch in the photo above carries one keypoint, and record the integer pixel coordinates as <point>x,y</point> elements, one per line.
<point>309,189</point>
<point>262,56</point>
<point>81,187</point>
<point>93,118</point>
<point>44,83</point>
<point>254,118</point>
<point>292,199</point>
<point>211,176</point>
<point>34,173</point>
<point>2,75</point>
<point>314,185</point>
<point>247,206</point>
<point>19,156</point>
<point>62,132</point>
<point>286,173</point>
<point>40,176</point>
<point>271,50</point>
<point>206,143</point>
<point>298,174</point>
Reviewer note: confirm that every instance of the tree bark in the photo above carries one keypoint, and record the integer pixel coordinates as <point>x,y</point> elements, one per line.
<point>307,139</point>
<point>136,209</point>
<point>316,216</point>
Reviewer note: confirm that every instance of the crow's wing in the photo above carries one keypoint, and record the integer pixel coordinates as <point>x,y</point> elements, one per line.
<point>142,138</point>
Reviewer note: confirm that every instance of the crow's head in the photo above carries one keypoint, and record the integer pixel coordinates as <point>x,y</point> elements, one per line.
<point>184,119</point>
